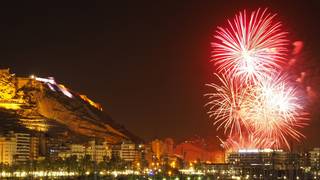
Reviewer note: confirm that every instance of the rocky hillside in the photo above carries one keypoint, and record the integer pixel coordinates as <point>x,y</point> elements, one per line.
<point>42,105</point>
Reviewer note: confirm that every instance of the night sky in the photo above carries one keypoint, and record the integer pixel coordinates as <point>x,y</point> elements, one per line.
<point>146,62</point>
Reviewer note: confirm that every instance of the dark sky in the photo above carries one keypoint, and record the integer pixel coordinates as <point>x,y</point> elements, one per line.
<point>146,62</point>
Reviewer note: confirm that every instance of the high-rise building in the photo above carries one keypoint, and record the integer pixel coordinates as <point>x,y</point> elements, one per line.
<point>168,146</point>
<point>158,148</point>
<point>8,147</point>
<point>23,147</point>
<point>34,148</point>
<point>128,151</point>
<point>144,154</point>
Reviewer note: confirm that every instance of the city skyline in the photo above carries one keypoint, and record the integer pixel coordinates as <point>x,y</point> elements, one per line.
<point>145,63</point>
<point>160,90</point>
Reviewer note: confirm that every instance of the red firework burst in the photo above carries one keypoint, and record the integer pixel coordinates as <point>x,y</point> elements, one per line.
<point>251,46</point>
<point>256,105</point>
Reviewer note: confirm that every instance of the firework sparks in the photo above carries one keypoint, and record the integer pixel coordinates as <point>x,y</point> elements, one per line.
<point>250,141</point>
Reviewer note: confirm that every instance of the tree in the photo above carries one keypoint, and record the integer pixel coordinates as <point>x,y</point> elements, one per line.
<point>71,162</point>
<point>116,163</point>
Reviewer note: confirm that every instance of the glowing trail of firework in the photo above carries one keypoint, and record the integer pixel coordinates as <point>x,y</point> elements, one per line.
<point>250,141</point>
<point>250,47</point>
<point>227,105</point>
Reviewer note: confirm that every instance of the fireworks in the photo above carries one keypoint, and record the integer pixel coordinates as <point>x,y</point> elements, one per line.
<point>228,105</point>
<point>276,111</point>
<point>250,47</point>
<point>256,103</point>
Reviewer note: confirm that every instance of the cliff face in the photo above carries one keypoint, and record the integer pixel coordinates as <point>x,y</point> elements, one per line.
<point>41,104</point>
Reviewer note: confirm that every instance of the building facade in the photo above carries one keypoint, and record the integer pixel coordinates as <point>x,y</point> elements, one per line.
<point>23,147</point>
<point>314,158</point>
<point>34,148</point>
<point>98,152</point>
<point>8,147</point>
<point>128,151</point>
